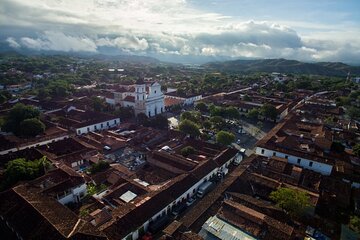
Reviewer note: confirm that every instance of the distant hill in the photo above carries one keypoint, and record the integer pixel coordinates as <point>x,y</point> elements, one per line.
<point>120,58</point>
<point>127,58</point>
<point>284,66</point>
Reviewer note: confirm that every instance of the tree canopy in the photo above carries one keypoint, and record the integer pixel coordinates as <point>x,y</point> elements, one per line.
<point>193,116</point>
<point>21,119</point>
<point>292,201</point>
<point>268,111</point>
<point>31,127</point>
<point>201,106</point>
<point>355,223</point>
<point>20,170</point>
<point>253,113</point>
<point>188,127</point>
<point>225,138</point>
<point>356,149</point>
<point>188,150</point>
<point>125,113</point>
<point>98,167</point>
<point>217,122</point>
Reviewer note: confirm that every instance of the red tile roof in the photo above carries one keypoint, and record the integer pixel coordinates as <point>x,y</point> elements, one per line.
<point>129,98</point>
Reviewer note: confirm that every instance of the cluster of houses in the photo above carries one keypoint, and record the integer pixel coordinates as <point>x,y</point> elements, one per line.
<point>149,179</point>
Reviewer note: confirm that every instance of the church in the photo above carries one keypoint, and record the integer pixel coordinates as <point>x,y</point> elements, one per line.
<point>144,97</point>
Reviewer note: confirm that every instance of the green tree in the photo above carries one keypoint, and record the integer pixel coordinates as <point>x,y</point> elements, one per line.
<point>355,223</point>
<point>217,111</point>
<point>207,124</point>
<point>253,113</point>
<point>217,122</point>
<point>225,138</point>
<point>20,170</point>
<point>143,119</point>
<point>193,116</point>
<point>201,106</point>
<point>43,94</point>
<point>31,127</point>
<point>18,114</point>
<point>98,167</point>
<point>353,112</point>
<point>293,201</point>
<point>188,150</point>
<point>268,111</point>
<point>188,127</point>
<point>160,122</point>
<point>3,98</point>
<point>232,112</point>
<point>59,88</point>
<point>98,104</point>
<point>356,149</point>
<point>125,113</point>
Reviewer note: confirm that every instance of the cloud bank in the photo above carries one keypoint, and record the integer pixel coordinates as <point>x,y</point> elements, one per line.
<point>160,27</point>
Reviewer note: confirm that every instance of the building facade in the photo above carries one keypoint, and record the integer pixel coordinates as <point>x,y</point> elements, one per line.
<point>149,102</point>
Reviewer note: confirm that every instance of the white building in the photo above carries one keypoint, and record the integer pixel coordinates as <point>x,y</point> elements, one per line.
<point>146,98</point>
<point>92,126</point>
<point>74,194</point>
<point>311,164</point>
<point>188,100</point>
<point>190,183</point>
<point>356,80</point>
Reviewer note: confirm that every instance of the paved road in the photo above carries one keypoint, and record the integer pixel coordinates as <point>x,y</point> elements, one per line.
<point>190,218</point>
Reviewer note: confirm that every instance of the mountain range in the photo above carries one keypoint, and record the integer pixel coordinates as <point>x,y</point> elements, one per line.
<point>230,66</point>
<point>284,66</point>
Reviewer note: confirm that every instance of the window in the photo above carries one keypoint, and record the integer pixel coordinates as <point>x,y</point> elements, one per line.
<point>114,121</point>
<point>286,156</point>
<point>310,164</point>
<point>155,91</point>
<point>107,123</point>
<point>88,129</point>
<point>79,131</point>
<point>274,154</point>
<point>298,160</point>
<point>102,125</point>
<point>95,127</point>
<point>262,151</point>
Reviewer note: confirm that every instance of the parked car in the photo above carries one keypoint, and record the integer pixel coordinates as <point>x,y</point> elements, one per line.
<point>204,189</point>
<point>178,209</point>
<point>190,201</point>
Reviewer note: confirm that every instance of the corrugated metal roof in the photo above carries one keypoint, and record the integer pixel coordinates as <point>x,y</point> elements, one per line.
<point>128,196</point>
<point>223,230</point>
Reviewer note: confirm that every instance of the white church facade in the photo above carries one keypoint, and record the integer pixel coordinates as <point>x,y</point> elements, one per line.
<point>146,98</point>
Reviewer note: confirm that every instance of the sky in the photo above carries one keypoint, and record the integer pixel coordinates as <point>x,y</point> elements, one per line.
<point>186,30</point>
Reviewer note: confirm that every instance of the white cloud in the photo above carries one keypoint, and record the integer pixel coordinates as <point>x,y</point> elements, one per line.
<point>12,42</point>
<point>166,28</point>
<point>125,42</point>
<point>58,41</point>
